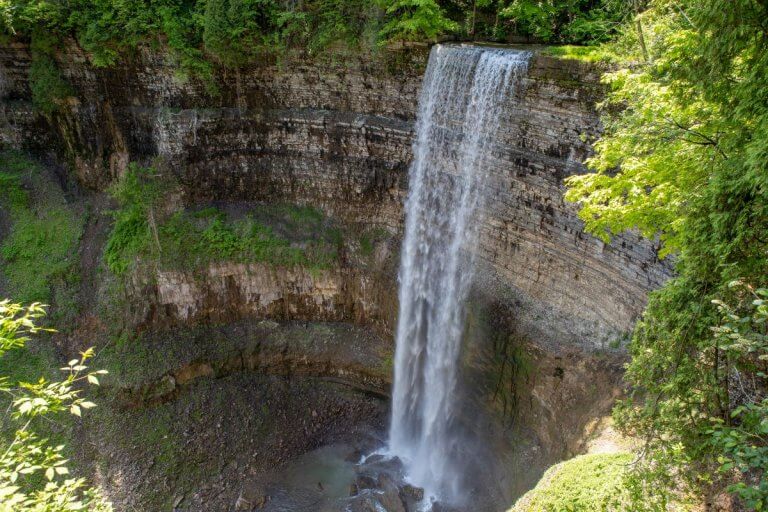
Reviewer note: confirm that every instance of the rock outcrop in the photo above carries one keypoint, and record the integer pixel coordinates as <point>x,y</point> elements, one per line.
<point>229,291</point>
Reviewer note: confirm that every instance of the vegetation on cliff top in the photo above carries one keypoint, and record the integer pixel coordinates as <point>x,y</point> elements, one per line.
<point>683,160</point>
<point>233,32</point>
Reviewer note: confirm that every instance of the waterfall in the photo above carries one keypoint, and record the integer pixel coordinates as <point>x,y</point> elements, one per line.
<point>459,115</point>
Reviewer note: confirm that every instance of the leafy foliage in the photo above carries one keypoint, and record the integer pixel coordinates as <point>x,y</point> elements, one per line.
<point>48,87</point>
<point>416,20</point>
<point>652,132</point>
<point>683,158</point>
<point>236,32</point>
<point>741,346</point>
<point>33,474</point>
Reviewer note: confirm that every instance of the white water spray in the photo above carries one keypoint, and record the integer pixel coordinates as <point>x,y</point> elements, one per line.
<point>459,111</point>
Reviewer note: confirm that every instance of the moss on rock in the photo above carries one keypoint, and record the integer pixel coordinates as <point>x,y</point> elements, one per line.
<point>281,235</point>
<point>39,250</point>
<point>585,483</point>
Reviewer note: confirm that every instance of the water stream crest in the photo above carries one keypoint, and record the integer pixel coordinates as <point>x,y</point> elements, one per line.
<point>460,107</point>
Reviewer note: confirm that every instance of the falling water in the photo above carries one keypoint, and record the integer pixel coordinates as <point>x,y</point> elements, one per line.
<point>459,110</point>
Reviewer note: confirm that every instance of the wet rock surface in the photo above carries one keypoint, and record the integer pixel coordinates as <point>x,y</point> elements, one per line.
<point>381,484</point>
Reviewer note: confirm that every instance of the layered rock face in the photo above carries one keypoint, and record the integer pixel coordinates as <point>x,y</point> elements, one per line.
<point>229,291</point>
<point>338,136</point>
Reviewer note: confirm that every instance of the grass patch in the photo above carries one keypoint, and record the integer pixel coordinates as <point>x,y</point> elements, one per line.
<point>592,54</point>
<point>40,251</point>
<point>369,238</point>
<point>585,483</point>
<point>281,235</point>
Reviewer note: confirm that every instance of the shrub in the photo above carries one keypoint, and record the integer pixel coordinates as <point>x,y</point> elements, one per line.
<point>47,85</point>
<point>137,193</point>
<point>33,473</point>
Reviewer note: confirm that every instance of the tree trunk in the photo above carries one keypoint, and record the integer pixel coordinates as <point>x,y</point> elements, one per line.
<point>474,17</point>
<point>153,228</point>
<point>640,35</point>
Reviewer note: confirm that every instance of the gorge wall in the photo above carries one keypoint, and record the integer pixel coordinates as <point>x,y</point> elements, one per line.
<point>549,303</point>
<point>338,136</point>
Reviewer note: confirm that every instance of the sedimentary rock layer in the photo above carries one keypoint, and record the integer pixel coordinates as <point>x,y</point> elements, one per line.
<point>338,136</point>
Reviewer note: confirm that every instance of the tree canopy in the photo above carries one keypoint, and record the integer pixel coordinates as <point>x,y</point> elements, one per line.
<point>234,31</point>
<point>683,159</point>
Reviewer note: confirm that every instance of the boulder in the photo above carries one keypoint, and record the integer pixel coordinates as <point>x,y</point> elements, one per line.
<point>408,491</point>
<point>390,498</point>
<point>251,497</point>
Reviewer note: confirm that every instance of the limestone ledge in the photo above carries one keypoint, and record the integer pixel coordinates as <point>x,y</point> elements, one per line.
<point>228,291</point>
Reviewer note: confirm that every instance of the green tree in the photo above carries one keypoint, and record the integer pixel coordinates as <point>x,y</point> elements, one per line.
<point>236,30</point>
<point>415,20</point>
<point>33,474</point>
<point>574,21</point>
<point>532,17</point>
<point>683,158</point>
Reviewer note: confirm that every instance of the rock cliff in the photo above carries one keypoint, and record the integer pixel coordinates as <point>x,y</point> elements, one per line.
<point>338,135</point>
<point>548,310</point>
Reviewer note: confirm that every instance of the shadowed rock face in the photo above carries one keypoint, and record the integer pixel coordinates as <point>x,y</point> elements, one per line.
<point>338,136</point>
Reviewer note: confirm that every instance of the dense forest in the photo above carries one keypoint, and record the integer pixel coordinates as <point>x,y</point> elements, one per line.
<point>682,160</point>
